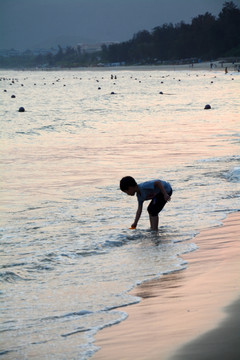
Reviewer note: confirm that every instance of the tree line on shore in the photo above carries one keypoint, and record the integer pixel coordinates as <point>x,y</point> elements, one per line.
<point>207,37</point>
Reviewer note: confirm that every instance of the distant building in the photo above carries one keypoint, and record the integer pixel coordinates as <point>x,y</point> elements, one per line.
<point>35,52</point>
<point>11,52</point>
<point>44,51</point>
<point>92,48</point>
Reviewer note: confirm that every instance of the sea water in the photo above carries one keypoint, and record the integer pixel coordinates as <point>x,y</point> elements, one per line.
<point>68,258</point>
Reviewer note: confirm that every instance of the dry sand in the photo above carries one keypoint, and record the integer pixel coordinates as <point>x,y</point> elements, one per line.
<point>183,307</point>
<point>203,66</point>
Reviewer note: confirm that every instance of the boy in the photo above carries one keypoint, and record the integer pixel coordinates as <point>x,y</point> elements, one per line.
<point>158,191</point>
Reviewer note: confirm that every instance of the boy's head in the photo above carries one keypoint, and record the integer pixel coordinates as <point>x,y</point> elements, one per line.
<point>128,185</point>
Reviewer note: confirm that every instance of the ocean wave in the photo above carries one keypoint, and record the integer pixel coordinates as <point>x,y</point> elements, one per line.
<point>11,277</point>
<point>5,352</point>
<point>113,243</point>
<point>12,265</point>
<point>233,175</point>
<point>46,128</point>
<point>68,315</point>
<point>219,159</point>
<point>80,330</point>
<point>86,253</point>
<point>122,239</point>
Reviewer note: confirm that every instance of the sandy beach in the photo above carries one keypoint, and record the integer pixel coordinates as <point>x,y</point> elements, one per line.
<point>191,314</point>
<point>217,65</point>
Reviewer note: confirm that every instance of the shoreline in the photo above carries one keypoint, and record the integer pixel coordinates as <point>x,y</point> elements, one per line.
<point>203,66</point>
<point>179,311</point>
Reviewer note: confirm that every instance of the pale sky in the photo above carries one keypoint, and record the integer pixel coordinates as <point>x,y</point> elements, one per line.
<point>29,24</point>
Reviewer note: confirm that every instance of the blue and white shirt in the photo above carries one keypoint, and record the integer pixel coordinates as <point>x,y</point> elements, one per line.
<point>148,190</point>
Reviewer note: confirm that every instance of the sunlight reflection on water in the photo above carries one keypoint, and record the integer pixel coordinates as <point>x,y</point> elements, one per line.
<point>68,255</point>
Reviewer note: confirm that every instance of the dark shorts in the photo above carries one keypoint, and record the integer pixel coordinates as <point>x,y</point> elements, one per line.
<point>157,204</point>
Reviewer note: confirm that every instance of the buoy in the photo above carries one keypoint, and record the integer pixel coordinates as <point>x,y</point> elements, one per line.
<point>207,107</point>
<point>21,109</point>
<point>13,96</point>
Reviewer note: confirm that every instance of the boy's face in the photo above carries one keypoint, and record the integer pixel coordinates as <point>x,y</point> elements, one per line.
<point>131,191</point>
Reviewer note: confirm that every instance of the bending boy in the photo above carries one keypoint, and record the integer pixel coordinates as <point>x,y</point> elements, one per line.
<point>158,191</point>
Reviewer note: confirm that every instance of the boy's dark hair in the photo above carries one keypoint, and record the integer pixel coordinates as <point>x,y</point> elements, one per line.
<point>126,182</point>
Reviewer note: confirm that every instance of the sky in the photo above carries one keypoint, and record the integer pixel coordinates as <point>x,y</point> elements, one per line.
<point>32,24</point>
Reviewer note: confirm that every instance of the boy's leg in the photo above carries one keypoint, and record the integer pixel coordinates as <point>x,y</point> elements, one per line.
<point>153,222</point>
<point>154,208</point>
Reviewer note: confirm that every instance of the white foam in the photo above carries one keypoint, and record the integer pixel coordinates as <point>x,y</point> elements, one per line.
<point>234,174</point>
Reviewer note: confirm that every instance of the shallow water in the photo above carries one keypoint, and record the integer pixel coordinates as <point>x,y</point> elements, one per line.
<point>68,258</point>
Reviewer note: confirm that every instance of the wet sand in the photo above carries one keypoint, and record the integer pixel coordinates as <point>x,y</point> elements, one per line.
<point>191,314</point>
<point>220,343</point>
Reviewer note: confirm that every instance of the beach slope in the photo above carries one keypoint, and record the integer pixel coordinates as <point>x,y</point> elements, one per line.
<point>186,314</point>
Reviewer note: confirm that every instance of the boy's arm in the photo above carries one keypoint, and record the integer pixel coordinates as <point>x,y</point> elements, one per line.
<point>138,215</point>
<point>163,191</point>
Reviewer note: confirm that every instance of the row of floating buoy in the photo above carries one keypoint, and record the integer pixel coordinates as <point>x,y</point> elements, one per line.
<point>22,109</point>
